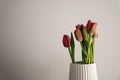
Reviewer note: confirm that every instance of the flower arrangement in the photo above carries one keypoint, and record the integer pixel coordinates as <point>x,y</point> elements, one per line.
<point>86,36</point>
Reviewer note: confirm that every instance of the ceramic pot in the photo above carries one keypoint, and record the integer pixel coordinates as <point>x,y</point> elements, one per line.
<point>80,71</point>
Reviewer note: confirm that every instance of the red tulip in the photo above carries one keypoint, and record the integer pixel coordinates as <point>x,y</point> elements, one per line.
<point>78,26</point>
<point>93,29</point>
<point>66,41</point>
<point>89,24</point>
<point>78,35</point>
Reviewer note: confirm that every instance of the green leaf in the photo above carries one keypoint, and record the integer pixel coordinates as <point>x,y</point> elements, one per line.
<point>72,43</point>
<point>72,46</point>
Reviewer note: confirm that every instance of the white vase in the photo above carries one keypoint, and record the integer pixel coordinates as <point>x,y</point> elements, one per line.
<point>83,72</point>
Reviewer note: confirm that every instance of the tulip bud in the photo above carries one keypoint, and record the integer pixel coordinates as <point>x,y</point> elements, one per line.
<point>88,26</point>
<point>78,35</point>
<point>93,29</point>
<point>78,26</point>
<point>88,23</point>
<point>66,41</point>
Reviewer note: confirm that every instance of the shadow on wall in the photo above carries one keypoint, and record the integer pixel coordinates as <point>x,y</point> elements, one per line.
<point>10,67</point>
<point>14,67</point>
<point>119,78</point>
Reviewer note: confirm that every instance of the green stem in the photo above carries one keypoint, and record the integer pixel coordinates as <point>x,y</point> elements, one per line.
<point>89,54</point>
<point>84,53</point>
<point>88,50</point>
<point>71,55</point>
<point>93,46</point>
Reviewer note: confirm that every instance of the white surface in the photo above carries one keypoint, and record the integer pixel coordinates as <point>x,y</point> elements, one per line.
<point>83,72</point>
<point>31,34</point>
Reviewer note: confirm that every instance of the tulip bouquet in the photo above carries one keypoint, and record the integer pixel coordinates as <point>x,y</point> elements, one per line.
<point>85,35</point>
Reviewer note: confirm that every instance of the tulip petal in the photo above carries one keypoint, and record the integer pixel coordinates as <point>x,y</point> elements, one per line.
<point>78,35</point>
<point>93,29</point>
<point>66,41</point>
<point>78,26</point>
<point>88,26</point>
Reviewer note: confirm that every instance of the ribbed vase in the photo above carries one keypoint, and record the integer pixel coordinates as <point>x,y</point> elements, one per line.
<point>83,72</point>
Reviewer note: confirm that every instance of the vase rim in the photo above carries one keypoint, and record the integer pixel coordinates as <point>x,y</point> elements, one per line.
<point>80,63</point>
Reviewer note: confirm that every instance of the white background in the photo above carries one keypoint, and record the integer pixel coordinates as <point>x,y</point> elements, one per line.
<point>31,34</point>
